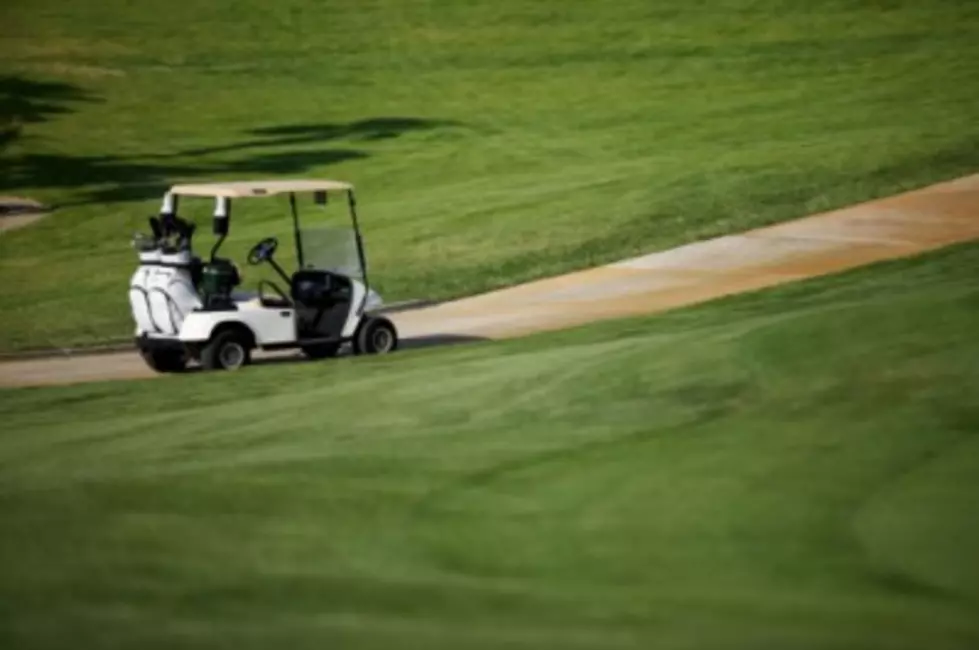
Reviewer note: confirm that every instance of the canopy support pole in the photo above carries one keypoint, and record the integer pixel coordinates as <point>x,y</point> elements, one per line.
<point>352,203</point>
<point>295,228</point>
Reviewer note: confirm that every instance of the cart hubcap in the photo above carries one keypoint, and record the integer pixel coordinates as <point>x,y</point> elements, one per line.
<point>232,355</point>
<point>382,340</point>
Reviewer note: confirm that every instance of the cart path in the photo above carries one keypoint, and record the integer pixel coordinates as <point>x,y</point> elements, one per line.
<point>16,212</point>
<point>898,226</point>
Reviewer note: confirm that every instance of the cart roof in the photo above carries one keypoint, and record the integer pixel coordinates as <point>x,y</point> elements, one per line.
<point>241,189</point>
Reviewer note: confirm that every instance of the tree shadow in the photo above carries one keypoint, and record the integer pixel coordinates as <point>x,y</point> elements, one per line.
<point>291,162</point>
<point>377,128</point>
<point>111,179</point>
<point>105,178</point>
<point>8,133</point>
<point>26,101</point>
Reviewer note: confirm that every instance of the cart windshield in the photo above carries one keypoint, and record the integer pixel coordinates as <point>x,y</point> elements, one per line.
<point>332,249</point>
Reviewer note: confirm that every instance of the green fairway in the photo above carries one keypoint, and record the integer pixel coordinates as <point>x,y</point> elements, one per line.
<point>493,141</point>
<point>792,469</point>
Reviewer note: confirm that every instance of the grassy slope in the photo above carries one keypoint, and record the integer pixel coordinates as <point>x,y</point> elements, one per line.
<point>531,137</point>
<point>790,469</point>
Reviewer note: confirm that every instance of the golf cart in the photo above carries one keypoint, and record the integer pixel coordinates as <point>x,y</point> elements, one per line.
<point>186,308</point>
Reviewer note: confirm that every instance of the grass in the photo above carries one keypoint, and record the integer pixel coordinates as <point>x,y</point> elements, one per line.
<point>794,469</point>
<point>493,142</point>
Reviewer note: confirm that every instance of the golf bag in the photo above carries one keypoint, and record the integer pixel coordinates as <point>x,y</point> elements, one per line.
<point>163,289</point>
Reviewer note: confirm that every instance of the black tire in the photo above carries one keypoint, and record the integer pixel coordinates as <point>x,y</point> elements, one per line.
<point>229,349</point>
<point>321,350</point>
<point>165,360</point>
<point>376,335</point>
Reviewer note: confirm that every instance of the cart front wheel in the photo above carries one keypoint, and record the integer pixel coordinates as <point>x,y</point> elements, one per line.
<point>376,336</point>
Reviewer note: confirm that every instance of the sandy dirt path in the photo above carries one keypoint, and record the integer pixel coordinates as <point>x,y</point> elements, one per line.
<point>894,227</point>
<point>16,212</point>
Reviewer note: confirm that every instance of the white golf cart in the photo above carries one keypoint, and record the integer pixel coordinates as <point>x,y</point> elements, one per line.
<point>186,308</point>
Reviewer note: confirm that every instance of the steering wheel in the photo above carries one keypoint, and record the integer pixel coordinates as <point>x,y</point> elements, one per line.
<point>263,250</point>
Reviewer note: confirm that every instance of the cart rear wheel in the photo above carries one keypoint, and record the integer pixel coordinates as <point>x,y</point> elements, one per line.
<point>376,336</point>
<point>227,350</point>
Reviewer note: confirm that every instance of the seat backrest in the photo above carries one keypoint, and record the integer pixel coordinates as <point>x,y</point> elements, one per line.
<point>323,301</point>
<point>312,288</point>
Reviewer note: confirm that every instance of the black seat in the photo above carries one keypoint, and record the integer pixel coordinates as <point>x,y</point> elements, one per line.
<point>318,289</point>
<point>323,302</point>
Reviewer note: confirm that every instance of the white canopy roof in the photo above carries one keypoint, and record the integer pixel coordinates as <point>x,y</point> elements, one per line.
<point>242,189</point>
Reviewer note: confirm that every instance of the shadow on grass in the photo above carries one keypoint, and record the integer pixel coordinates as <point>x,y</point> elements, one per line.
<point>25,101</point>
<point>269,150</point>
<point>406,344</point>
<point>110,179</point>
<point>378,128</point>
